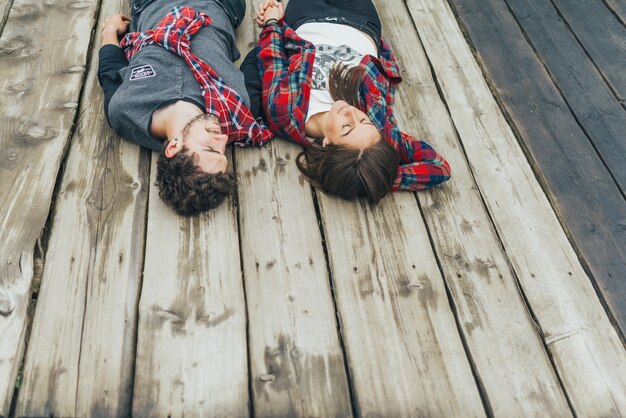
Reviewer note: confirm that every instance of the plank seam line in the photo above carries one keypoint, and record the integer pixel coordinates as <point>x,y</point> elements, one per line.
<point>339,324</point>
<point>560,91</point>
<point>538,330</point>
<point>243,286</point>
<point>558,11</point>
<point>88,69</point>
<point>135,342</point>
<point>482,392</point>
<point>491,84</point>
<point>40,249</point>
<point>617,16</point>
<point>5,16</point>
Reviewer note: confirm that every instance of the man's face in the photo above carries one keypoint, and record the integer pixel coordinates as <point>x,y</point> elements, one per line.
<point>347,125</point>
<point>203,137</point>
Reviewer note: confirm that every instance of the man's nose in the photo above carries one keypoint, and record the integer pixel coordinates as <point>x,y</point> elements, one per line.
<point>221,140</point>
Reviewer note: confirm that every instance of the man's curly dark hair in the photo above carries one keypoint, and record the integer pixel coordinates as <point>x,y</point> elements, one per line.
<point>188,189</point>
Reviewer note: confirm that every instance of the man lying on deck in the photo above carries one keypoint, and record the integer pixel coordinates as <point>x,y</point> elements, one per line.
<point>180,96</point>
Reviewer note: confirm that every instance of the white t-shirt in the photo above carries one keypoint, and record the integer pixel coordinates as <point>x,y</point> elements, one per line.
<point>334,43</point>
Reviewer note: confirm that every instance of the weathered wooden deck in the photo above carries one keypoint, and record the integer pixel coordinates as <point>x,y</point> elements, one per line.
<point>502,293</point>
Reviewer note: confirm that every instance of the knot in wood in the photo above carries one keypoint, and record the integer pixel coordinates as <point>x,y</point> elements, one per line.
<point>6,307</point>
<point>274,351</point>
<point>296,352</point>
<point>267,378</point>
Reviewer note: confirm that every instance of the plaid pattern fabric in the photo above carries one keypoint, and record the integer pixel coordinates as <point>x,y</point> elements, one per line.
<point>174,33</point>
<point>287,65</point>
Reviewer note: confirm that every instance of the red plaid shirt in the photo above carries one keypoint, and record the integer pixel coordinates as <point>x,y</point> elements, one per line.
<point>287,64</point>
<point>174,33</point>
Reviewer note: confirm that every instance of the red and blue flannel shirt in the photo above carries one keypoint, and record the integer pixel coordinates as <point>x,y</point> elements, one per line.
<point>174,33</point>
<point>287,64</point>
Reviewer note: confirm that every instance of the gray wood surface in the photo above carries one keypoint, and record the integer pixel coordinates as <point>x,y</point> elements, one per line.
<point>405,354</point>
<point>602,35</point>
<point>571,320</point>
<point>297,366</point>
<point>42,65</point>
<point>618,7</point>
<point>81,351</point>
<point>442,301</point>
<point>584,196</point>
<point>482,286</point>
<point>5,5</point>
<point>191,349</point>
<point>592,102</point>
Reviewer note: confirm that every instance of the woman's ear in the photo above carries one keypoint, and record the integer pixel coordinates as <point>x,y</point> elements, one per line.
<point>172,148</point>
<point>325,141</point>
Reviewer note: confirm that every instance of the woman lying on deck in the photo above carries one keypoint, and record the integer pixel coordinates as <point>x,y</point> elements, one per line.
<point>328,82</point>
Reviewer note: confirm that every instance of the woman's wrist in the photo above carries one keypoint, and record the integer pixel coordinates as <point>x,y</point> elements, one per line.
<point>270,22</point>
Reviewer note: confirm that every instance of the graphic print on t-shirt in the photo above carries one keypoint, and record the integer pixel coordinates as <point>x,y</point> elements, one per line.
<point>141,72</point>
<point>326,57</point>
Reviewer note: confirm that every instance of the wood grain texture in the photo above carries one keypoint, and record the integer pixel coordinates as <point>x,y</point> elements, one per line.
<point>571,319</point>
<point>405,354</point>
<point>488,306</point>
<point>592,102</point>
<point>297,366</point>
<point>81,350</point>
<point>191,350</point>
<point>42,65</point>
<point>584,195</point>
<point>602,35</point>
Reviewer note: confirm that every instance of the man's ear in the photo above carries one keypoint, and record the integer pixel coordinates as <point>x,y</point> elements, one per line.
<point>172,148</point>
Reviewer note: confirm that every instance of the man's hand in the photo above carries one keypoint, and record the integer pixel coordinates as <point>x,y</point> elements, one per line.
<point>271,9</point>
<point>114,27</point>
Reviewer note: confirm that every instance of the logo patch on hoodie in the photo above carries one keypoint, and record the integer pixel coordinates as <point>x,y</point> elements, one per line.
<point>144,71</point>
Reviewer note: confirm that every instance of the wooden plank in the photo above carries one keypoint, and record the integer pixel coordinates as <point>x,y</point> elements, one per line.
<point>386,275</point>
<point>81,350</point>
<point>405,354</point>
<point>602,35</point>
<point>585,348</point>
<point>191,349</point>
<point>584,195</point>
<point>618,7</point>
<point>297,366</point>
<point>582,86</point>
<point>42,65</point>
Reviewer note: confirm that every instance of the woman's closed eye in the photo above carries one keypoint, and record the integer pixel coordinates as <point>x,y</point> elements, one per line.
<point>208,148</point>
<point>362,121</point>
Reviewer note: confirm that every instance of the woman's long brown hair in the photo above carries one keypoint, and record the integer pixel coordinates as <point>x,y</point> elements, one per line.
<point>343,171</point>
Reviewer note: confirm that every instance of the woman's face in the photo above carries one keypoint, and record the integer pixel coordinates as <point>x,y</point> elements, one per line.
<point>347,125</point>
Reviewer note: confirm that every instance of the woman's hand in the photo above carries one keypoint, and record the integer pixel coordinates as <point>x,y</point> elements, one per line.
<point>271,9</point>
<point>114,27</point>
